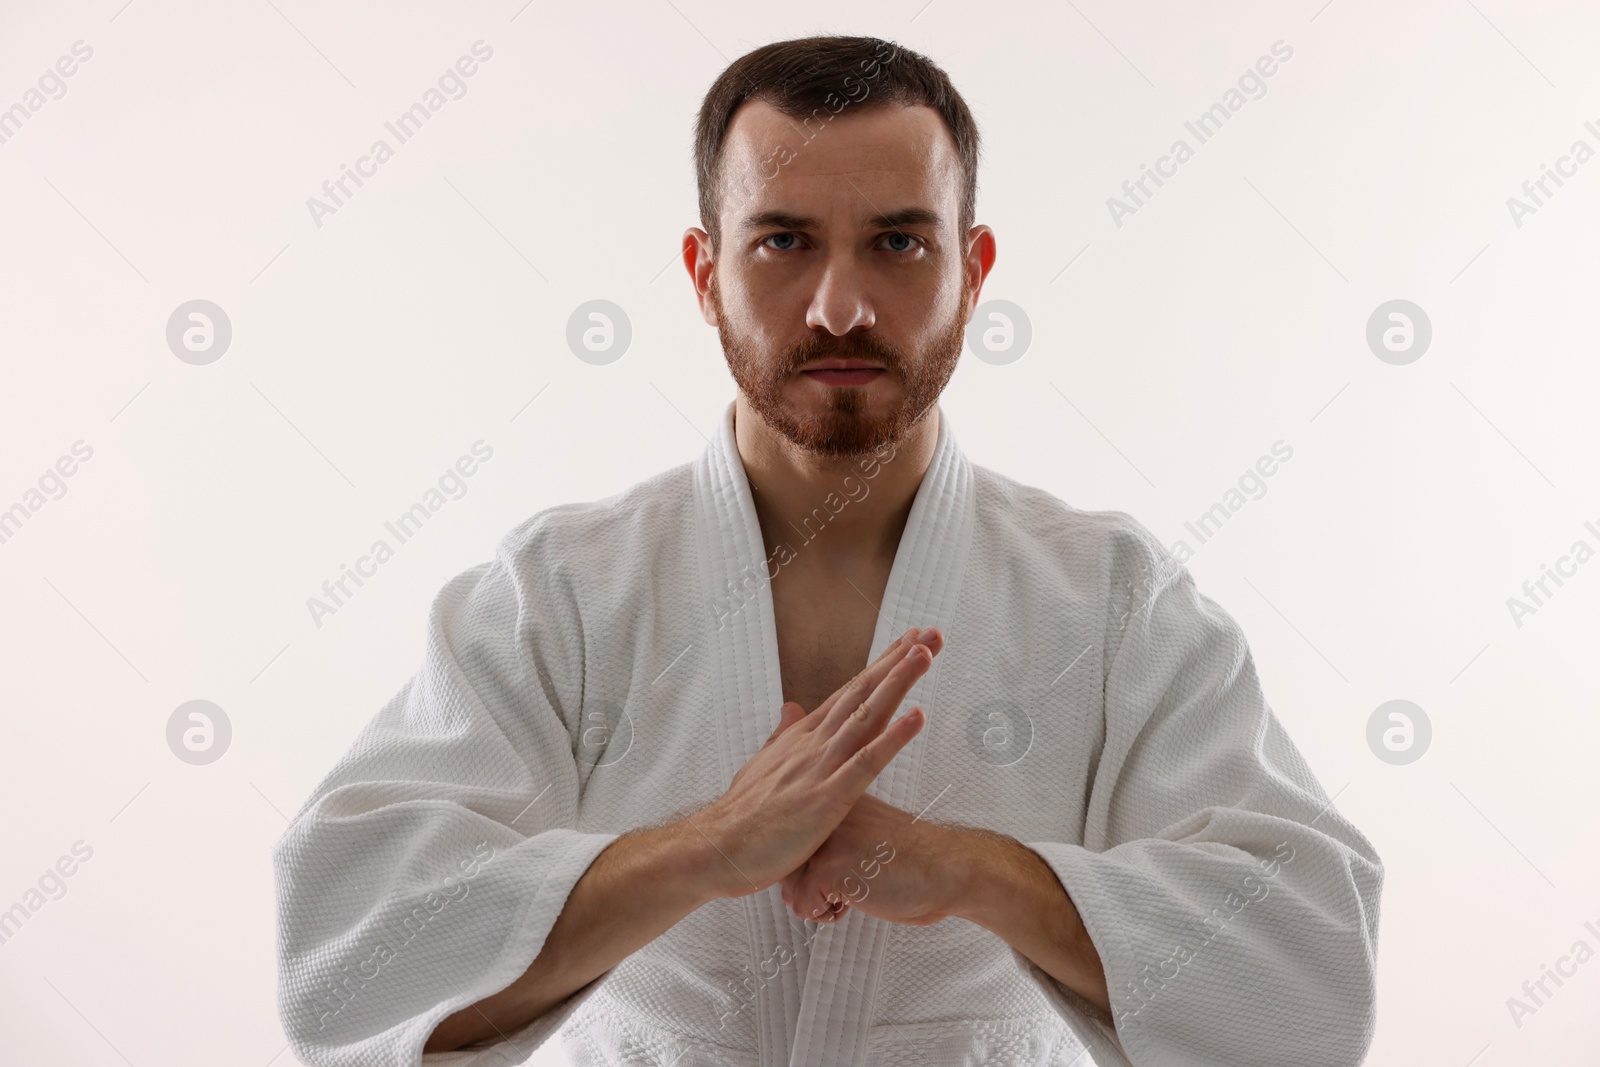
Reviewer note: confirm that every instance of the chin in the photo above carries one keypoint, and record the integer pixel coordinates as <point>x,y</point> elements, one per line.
<point>838,426</point>
<point>844,404</point>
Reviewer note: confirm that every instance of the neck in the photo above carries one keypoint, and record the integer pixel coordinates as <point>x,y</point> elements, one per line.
<point>863,502</point>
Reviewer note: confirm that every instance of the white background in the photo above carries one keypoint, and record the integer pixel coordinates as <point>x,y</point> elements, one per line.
<point>370,352</point>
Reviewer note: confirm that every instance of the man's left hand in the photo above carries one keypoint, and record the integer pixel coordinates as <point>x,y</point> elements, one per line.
<point>882,861</point>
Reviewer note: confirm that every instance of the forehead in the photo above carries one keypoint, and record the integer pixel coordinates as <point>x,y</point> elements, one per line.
<point>904,153</point>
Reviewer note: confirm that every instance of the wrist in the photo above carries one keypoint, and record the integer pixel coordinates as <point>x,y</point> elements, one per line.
<point>995,876</point>
<point>704,869</point>
<point>966,882</point>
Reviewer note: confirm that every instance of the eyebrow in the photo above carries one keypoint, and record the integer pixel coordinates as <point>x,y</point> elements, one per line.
<point>911,216</point>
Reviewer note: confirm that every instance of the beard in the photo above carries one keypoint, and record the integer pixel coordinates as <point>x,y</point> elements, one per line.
<point>846,428</point>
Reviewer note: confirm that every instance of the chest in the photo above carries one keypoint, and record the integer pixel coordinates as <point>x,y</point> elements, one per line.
<point>825,625</point>
<point>1015,702</point>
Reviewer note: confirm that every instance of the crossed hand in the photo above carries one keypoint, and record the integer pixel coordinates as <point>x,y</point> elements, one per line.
<point>798,812</point>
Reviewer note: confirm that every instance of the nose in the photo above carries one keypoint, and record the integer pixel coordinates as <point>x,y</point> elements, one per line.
<point>840,303</point>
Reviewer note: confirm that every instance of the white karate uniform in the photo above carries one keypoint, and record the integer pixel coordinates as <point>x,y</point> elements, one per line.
<point>617,662</point>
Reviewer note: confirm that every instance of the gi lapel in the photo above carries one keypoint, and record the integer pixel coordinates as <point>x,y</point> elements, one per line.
<point>745,639</point>
<point>816,998</point>
<point>841,978</point>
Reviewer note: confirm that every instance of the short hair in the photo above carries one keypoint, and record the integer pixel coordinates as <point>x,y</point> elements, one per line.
<point>814,78</point>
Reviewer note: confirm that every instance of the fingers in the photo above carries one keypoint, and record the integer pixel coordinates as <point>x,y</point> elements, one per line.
<point>829,912</point>
<point>870,676</point>
<point>823,907</point>
<point>932,640</point>
<point>800,896</point>
<point>859,770</point>
<point>862,684</point>
<point>852,722</point>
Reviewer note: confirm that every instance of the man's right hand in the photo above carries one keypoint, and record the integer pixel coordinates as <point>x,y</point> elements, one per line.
<point>789,797</point>
<point>781,807</point>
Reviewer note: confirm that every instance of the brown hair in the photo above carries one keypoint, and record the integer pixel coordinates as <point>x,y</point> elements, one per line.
<point>816,78</point>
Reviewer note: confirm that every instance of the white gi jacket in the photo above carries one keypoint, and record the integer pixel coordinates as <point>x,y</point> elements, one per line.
<point>617,662</point>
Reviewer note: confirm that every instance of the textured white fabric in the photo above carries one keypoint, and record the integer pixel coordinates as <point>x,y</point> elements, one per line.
<point>616,663</point>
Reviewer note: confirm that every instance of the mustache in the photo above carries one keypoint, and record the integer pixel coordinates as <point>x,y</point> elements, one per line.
<point>857,347</point>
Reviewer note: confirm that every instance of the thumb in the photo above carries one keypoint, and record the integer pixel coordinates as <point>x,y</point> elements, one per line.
<point>790,714</point>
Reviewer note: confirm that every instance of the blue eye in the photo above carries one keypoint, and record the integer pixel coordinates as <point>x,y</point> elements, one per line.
<point>794,237</point>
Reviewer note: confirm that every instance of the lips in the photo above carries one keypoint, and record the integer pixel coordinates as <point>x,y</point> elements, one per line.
<point>841,364</point>
<point>839,371</point>
<point>844,376</point>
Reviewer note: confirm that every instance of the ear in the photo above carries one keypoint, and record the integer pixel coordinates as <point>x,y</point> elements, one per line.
<point>699,261</point>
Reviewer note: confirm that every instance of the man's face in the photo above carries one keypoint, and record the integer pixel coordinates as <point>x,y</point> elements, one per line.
<point>841,248</point>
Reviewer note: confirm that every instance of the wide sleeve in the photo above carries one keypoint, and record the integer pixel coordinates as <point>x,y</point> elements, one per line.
<point>1234,909</point>
<point>426,870</point>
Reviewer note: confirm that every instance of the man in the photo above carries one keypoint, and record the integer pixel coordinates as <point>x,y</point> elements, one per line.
<point>643,790</point>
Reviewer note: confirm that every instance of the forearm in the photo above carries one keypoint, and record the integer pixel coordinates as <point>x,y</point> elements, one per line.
<point>1009,890</point>
<point>633,892</point>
